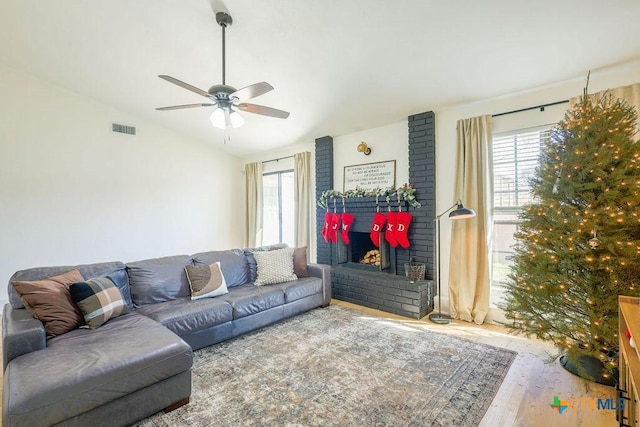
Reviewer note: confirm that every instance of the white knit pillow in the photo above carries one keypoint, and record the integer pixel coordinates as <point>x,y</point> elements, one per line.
<point>274,266</point>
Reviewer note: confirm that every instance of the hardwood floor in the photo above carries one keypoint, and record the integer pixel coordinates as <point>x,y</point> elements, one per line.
<point>531,383</point>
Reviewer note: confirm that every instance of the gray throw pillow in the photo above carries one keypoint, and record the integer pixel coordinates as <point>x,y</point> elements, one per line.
<point>275,266</point>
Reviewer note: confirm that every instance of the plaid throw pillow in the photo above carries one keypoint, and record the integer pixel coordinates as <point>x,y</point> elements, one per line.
<point>99,300</point>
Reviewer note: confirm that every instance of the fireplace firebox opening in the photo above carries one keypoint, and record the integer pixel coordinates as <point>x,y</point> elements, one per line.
<point>362,253</point>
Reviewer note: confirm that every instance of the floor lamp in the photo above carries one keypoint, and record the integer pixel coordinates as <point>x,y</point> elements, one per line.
<point>460,212</point>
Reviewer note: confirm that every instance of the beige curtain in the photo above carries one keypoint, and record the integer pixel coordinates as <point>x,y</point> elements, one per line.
<point>631,94</point>
<point>302,185</point>
<point>470,258</point>
<point>253,204</point>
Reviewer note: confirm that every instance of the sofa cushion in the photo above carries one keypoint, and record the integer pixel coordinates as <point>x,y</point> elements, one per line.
<point>99,300</point>
<point>184,316</point>
<point>116,270</point>
<point>50,302</point>
<point>85,368</point>
<point>275,266</point>
<point>298,289</point>
<point>250,299</point>
<point>206,281</point>
<point>158,279</point>
<point>233,263</point>
<point>121,279</point>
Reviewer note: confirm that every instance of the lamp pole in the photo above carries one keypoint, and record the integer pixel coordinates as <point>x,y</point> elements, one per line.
<point>459,213</point>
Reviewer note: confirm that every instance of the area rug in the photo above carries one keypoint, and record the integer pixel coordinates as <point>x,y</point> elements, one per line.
<point>340,367</point>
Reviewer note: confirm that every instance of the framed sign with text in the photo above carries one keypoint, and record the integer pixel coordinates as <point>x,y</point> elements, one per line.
<point>370,176</point>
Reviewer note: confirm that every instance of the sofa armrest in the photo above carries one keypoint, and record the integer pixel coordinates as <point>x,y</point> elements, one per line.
<point>21,333</point>
<point>323,272</point>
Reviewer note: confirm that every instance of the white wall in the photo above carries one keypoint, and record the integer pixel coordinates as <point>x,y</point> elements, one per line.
<point>389,142</point>
<point>72,191</point>
<point>446,119</point>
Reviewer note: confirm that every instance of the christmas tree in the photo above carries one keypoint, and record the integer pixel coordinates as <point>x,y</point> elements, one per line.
<point>578,245</point>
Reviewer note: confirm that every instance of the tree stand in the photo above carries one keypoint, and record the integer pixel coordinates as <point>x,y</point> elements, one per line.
<point>592,366</point>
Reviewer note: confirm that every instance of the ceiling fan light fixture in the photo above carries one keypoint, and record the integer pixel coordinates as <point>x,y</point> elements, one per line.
<point>223,118</point>
<point>218,119</point>
<point>236,119</point>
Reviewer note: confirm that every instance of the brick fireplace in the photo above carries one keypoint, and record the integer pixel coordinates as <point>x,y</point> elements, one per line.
<point>384,287</point>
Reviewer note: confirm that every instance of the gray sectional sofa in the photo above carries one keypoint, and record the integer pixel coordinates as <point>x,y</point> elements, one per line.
<point>138,363</point>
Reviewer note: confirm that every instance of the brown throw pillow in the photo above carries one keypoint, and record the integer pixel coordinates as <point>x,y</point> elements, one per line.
<point>300,262</point>
<point>50,302</point>
<point>206,281</point>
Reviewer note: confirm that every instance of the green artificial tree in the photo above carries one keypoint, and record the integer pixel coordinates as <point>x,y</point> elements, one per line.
<point>578,245</point>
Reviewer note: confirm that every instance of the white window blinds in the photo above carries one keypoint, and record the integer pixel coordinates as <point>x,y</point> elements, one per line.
<point>515,158</point>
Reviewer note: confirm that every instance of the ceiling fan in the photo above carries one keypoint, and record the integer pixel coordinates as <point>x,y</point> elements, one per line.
<point>226,99</point>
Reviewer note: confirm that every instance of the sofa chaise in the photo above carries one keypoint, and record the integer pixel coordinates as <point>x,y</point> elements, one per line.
<point>139,362</point>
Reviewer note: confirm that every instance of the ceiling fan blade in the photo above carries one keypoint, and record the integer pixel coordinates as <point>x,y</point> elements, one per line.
<point>252,91</point>
<point>184,85</point>
<point>178,107</point>
<point>265,111</point>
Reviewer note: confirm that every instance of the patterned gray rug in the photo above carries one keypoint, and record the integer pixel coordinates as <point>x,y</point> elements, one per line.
<point>340,367</point>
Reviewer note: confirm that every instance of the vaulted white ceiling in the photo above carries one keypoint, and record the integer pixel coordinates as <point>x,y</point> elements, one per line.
<point>338,66</point>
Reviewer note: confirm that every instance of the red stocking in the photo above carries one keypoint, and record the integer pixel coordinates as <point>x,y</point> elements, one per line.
<point>404,219</point>
<point>327,224</point>
<point>390,234</point>
<point>335,225</point>
<point>378,222</point>
<point>347,220</point>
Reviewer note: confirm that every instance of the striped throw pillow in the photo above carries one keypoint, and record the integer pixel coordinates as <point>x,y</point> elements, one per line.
<point>99,300</point>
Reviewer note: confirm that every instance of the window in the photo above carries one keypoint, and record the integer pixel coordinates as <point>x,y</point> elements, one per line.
<point>515,158</point>
<point>278,211</point>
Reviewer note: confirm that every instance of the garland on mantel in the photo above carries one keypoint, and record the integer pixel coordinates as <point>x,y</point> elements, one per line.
<point>405,193</point>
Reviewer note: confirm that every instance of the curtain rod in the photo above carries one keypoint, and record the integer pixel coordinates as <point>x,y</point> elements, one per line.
<point>278,159</point>
<point>541,107</point>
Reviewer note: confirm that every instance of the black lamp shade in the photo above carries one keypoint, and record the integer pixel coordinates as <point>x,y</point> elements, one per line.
<point>461,212</point>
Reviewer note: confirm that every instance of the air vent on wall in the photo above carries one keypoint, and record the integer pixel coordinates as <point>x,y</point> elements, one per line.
<point>129,130</point>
